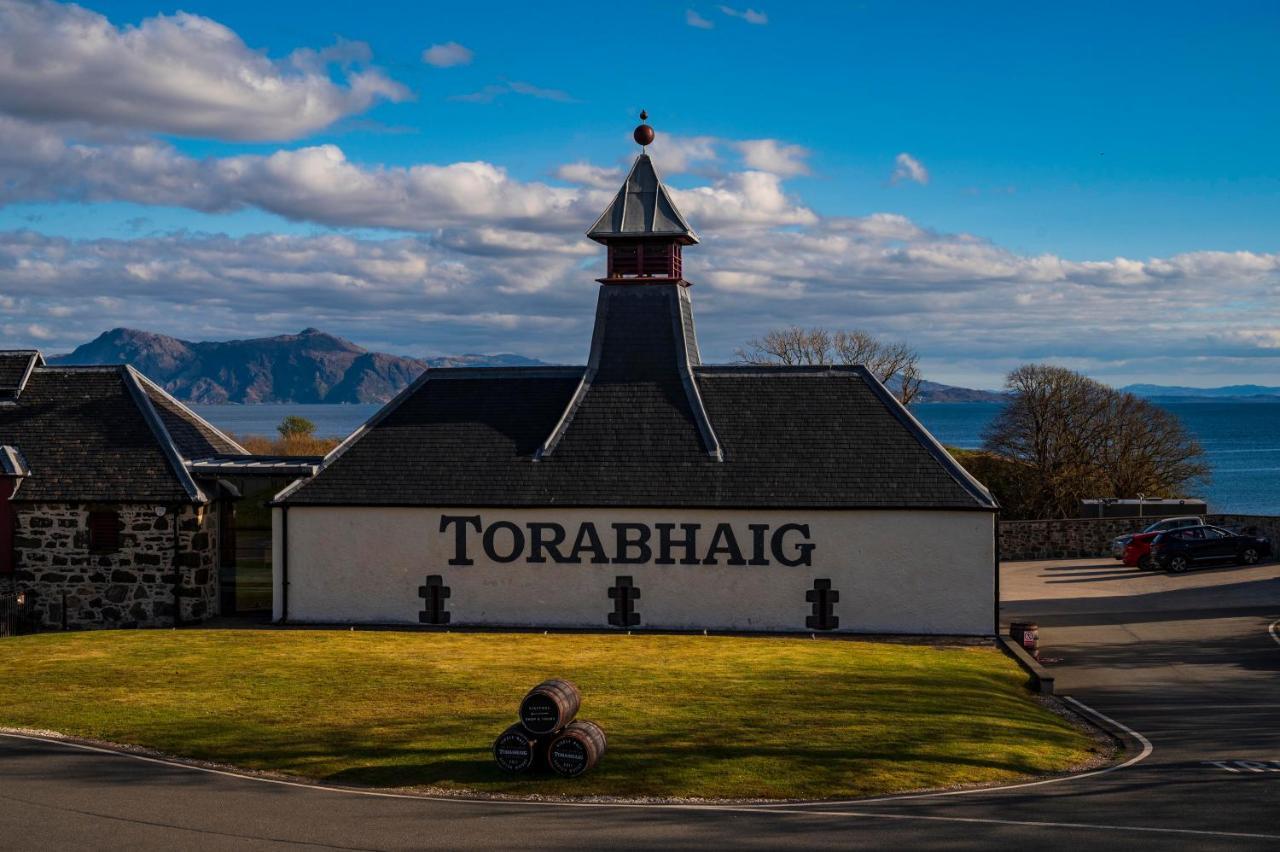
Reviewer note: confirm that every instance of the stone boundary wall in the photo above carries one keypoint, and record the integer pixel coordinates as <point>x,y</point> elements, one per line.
<point>1077,538</point>
<point>132,587</point>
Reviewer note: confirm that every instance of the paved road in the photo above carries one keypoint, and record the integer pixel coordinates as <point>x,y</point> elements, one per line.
<point>1186,662</point>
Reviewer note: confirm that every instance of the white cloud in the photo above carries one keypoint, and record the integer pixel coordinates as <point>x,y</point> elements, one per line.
<point>585,174</point>
<point>676,154</point>
<point>907,167</point>
<point>751,16</point>
<point>742,199</point>
<point>447,55</point>
<point>319,184</point>
<point>770,155</point>
<point>957,298</point>
<point>492,92</point>
<point>693,19</point>
<point>182,74</point>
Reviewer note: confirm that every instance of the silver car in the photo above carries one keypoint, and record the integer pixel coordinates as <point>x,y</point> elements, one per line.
<point>1119,543</point>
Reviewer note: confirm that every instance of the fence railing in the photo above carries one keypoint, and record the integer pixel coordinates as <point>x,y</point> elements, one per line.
<point>14,615</point>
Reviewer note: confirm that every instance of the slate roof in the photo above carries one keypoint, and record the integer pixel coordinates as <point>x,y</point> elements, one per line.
<point>643,424</point>
<point>15,366</point>
<point>104,434</point>
<point>13,463</point>
<point>791,437</point>
<point>642,208</point>
<point>194,436</point>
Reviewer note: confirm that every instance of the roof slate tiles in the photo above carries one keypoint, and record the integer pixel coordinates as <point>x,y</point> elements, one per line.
<point>820,438</point>
<point>85,440</point>
<point>194,437</point>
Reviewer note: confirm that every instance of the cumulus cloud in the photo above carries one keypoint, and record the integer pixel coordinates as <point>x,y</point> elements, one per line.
<point>426,294</point>
<point>586,174</point>
<point>751,16</point>
<point>964,302</point>
<point>676,154</point>
<point>693,19</point>
<point>743,199</point>
<point>770,155</point>
<point>907,167</point>
<point>959,299</point>
<point>182,74</point>
<point>319,184</point>
<point>447,55</point>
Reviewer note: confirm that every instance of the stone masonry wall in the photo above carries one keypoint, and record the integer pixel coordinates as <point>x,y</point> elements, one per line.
<point>1076,538</point>
<point>133,587</point>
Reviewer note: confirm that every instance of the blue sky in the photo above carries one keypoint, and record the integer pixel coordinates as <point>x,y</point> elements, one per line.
<point>1092,184</point>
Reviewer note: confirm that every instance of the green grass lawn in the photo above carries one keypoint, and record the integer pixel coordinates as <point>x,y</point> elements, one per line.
<point>685,715</point>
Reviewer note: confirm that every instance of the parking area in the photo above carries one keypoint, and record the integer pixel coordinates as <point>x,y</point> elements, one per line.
<point>1189,665</point>
<point>1070,582</point>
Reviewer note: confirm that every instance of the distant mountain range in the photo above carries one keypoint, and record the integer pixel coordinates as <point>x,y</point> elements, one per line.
<point>936,392</point>
<point>310,366</point>
<point>1232,393</point>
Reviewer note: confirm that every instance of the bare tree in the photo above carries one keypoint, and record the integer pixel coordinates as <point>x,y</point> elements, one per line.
<point>1080,438</point>
<point>896,365</point>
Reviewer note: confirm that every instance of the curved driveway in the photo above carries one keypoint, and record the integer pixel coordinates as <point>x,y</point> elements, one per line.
<point>1188,662</point>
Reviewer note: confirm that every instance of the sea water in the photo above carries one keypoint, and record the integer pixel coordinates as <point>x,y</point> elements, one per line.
<point>1241,440</point>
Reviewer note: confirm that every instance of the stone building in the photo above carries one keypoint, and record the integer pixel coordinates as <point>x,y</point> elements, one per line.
<point>644,489</point>
<point>114,497</point>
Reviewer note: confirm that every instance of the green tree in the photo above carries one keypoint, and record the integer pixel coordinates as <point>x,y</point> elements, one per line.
<point>294,426</point>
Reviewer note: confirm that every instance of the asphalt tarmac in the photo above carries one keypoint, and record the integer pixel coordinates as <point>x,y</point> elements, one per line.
<point>1186,665</point>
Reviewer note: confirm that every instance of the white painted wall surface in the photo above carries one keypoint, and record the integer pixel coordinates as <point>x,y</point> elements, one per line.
<point>896,572</point>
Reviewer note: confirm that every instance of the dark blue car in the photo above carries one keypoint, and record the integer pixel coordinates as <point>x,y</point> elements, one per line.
<point>1179,550</point>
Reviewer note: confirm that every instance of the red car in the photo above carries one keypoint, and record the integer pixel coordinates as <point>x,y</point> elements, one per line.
<point>1137,553</point>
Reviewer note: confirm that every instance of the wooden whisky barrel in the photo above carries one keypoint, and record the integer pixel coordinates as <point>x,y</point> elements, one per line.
<point>577,748</point>
<point>550,706</point>
<point>516,750</point>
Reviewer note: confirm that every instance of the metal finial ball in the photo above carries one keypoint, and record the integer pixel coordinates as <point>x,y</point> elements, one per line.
<point>643,135</point>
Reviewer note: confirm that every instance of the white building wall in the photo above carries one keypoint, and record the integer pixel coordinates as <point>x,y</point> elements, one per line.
<point>895,571</point>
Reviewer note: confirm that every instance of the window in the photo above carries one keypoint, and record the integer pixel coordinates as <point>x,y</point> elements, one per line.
<point>1211,533</point>
<point>104,531</point>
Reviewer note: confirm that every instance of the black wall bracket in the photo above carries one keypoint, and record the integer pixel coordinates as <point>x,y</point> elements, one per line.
<point>435,592</point>
<point>824,598</point>
<point>624,595</point>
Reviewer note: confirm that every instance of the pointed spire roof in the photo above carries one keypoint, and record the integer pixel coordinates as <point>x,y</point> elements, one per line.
<point>642,208</point>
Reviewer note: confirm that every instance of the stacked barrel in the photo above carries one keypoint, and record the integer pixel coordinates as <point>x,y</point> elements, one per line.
<point>548,735</point>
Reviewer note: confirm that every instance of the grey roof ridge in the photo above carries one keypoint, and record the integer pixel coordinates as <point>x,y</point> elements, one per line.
<point>346,443</point>
<point>566,416</point>
<point>35,359</point>
<point>13,462</point>
<point>223,435</point>
<point>710,441</point>
<point>779,369</point>
<point>133,381</point>
<point>81,368</point>
<point>512,372</point>
<point>662,191</point>
<point>966,480</point>
<point>703,421</point>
